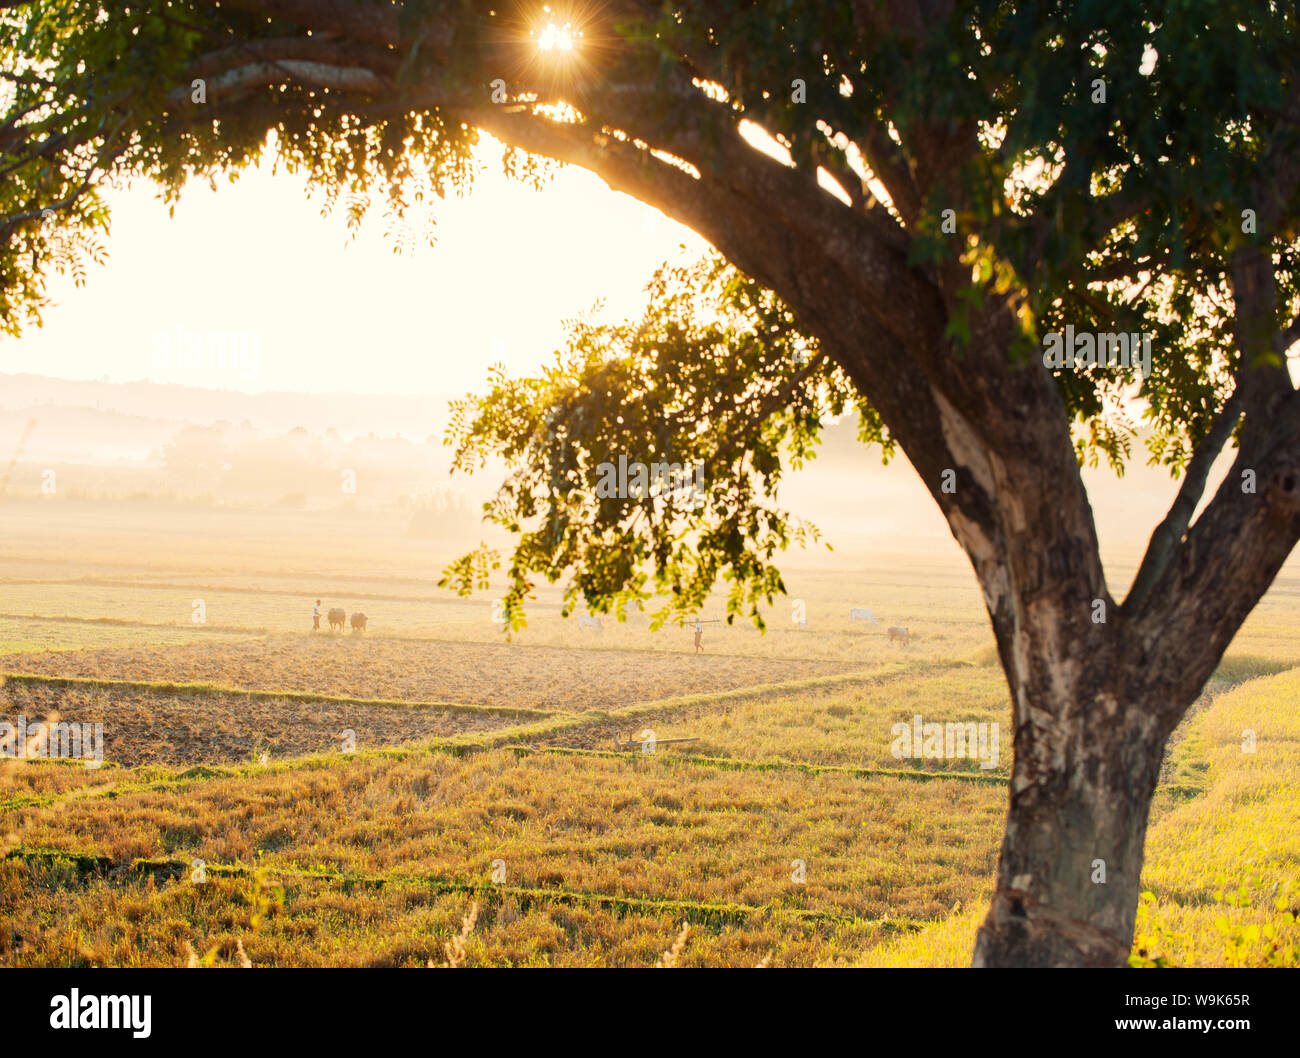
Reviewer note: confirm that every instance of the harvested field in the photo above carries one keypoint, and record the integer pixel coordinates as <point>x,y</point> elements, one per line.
<point>480,674</point>
<point>131,922</point>
<point>618,827</point>
<point>31,781</point>
<point>148,727</point>
<point>252,610</point>
<point>22,635</point>
<point>688,716</point>
<point>853,725</point>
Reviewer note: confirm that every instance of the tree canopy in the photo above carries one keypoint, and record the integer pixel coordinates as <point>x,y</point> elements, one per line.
<point>1101,161</point>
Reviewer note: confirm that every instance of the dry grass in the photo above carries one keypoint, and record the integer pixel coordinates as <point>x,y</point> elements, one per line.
<point>669,958</point>
<point>850,724</point>
<point>54,918</point>
<point>615,826</point>
<point>455,948</point>
<point>1223,869</point>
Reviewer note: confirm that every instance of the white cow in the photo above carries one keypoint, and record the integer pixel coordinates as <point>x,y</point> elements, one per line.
<point>861,613</point>
<point>589,622</point>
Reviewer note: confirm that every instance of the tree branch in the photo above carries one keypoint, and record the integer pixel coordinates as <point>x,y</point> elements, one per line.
<point>1169,533</point>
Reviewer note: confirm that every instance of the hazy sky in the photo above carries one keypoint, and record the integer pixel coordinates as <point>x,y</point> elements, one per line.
<point>280,298</point>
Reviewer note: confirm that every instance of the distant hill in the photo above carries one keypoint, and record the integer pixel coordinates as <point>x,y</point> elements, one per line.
<point>98,422</point>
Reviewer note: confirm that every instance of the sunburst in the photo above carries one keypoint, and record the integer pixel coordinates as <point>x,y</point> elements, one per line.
<point>557,38</point>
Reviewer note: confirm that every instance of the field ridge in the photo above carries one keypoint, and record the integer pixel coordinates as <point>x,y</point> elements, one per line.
<point>697,912</point>
<point>264,694</point>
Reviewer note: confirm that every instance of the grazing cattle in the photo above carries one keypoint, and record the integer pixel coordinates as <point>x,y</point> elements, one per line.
<point>358,622</point>
<point>900,635</point>
<point>338,618</point>
<point>589,622</point>
<point>861,613</point>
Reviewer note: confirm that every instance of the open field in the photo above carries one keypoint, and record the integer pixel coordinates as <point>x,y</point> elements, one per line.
<point>20,635</point>
<point>148,564</point>
<point>786,831</point>
<point>938,634</point>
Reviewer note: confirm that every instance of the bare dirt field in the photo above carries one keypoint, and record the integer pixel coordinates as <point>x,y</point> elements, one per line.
<point>472,673</point>
<point>147,727</point>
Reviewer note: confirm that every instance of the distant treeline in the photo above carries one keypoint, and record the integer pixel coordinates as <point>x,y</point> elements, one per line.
<point>239,466</point>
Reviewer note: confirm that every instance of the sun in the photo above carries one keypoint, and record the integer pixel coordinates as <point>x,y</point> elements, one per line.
<point>557,38</point>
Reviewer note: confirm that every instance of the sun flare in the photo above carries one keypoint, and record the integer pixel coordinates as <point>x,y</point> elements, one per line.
<point>557,38</point>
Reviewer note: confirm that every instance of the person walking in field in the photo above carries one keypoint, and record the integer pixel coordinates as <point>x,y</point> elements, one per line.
<point>699,636</point>
<point>315,617</point>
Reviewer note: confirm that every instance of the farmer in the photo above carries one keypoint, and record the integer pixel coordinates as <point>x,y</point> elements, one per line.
<point>699,636</point>
<point>315,617</point>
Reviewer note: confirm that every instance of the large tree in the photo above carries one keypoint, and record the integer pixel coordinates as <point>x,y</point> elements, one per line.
<point>959,181</point>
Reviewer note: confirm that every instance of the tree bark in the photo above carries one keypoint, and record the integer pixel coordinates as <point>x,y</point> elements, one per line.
<point>1071,859</point>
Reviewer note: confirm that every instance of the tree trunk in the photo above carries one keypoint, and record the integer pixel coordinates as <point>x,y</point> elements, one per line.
<point>1090,732</point>
<point>1068,875</point>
